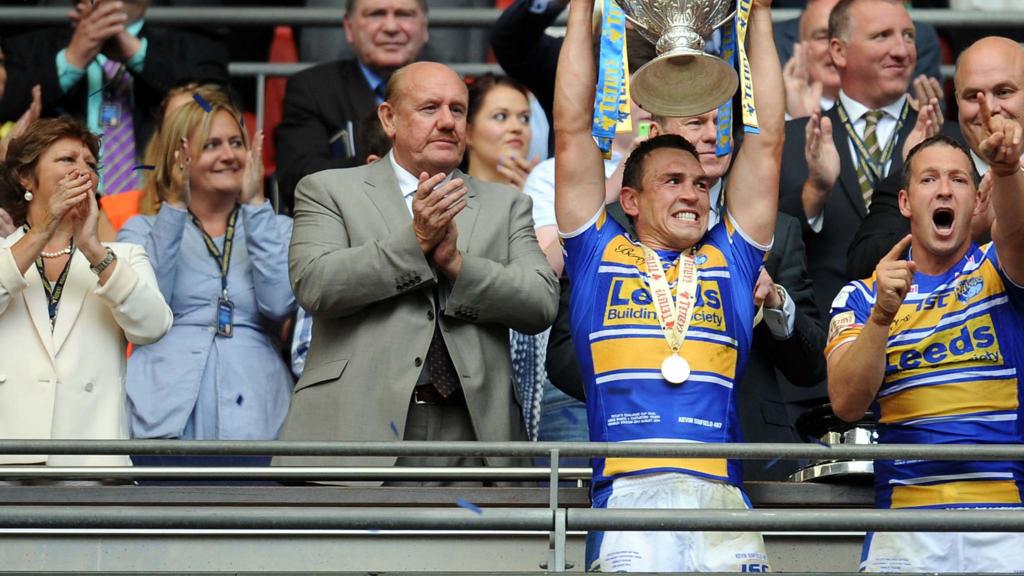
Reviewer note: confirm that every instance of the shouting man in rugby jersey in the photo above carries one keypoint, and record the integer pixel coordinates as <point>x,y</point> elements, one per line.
<point>662,321</point>
<point>934,342</point>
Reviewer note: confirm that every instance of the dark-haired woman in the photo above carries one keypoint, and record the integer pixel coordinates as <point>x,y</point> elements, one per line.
<point>68,303</point>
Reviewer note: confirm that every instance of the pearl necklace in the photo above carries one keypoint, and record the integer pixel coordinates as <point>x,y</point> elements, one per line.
<point>57,254</point>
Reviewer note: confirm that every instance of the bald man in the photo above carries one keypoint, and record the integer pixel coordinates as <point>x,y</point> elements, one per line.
<point>992,68</point>
<point>414,273</point>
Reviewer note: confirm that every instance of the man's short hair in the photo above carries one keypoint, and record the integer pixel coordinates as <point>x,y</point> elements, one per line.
<point>350,6</point>
<point>633,173</point>
<point>839,19</point>
<point>937,140</point>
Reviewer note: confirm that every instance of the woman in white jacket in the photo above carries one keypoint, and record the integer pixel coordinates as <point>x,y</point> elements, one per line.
<point>68,304</point>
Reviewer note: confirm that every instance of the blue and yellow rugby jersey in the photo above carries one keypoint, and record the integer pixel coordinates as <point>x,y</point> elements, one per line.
<point>951,377</point>
<point>620,345</point>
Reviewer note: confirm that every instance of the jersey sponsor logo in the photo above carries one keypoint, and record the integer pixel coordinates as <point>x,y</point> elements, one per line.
<point>968,288</point>
<point>977,344</point>
<point>630,302</point>
<point>839,323</point>
<point>933,301</point>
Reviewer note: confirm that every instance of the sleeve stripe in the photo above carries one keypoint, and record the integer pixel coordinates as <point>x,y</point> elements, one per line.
<point>583,228</point>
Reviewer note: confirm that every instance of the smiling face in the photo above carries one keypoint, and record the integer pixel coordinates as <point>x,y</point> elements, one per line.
<point>993,67</point>
<point>386,34</point>
<point>814,31</point>
<point>501,127</point>
<point>670,210</point>
<point>702,132</point>
<point>940,200</point>
<point>219,161</point>
<point>877,56</point>
<point>426,119</point>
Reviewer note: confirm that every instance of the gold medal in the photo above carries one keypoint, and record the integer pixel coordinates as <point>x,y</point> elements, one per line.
<point>675,369</point>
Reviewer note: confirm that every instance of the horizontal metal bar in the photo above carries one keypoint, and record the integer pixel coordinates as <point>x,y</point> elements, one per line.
<point>520,519</point>
<point>777,520</point>
<point>752,451</point>
<point>249,69</point>
<point>274,517</point>
<point>278,473</point>
<point>439,17</point>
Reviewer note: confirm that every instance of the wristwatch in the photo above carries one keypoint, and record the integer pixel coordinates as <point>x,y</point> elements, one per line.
<point>105,263</point>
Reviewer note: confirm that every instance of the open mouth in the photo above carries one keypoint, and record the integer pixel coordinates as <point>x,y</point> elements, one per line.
<point>943,219</point>
<point>685,216</point>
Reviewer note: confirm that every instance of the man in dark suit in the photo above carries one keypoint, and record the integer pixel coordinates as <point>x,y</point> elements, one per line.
<point>414,273</point>
<point>323,105</point>
<point>68,64</point>
<point>834,159</point>
<point>990,69</point>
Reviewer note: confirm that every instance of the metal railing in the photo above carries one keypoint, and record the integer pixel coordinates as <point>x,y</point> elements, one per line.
<point>439,17</point>
<point>556,519</point>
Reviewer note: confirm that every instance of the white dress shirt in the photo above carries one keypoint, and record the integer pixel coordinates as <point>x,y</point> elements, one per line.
<point>408,182</point>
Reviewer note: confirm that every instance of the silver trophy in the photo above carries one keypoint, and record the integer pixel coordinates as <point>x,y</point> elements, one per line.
<point>682,80</point>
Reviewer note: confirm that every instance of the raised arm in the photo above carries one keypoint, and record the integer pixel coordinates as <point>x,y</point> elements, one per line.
<point>856,369</point>
<point>579,171</point>
<point>753,190</point>
<point>1002,149</point>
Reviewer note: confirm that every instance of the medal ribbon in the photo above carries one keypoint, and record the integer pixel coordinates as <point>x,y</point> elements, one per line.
<point>750,124</point>
<point>610,76</point>
<point>55,291</point>
<point>723,141</point>
<point>223,259</point>
<point>674,316</point>
<point>875,172</point>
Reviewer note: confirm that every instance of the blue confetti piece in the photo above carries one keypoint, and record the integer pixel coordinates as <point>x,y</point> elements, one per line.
<point>144,167</point>
<point>394,430</point>
<point>202,102</point>
<point>463,503</point>
<point>570,416</point>
<point>771,463</point>
<point>239,400</point>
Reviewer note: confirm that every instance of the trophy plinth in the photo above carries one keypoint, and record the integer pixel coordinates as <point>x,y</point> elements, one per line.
<point>682,80</point>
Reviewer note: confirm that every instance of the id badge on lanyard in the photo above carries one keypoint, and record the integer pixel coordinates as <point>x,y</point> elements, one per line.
<point>225,315</point>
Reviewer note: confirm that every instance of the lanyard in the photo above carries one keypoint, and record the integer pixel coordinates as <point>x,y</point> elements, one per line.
<point>872,170</point>
<point>223,260</point>
<point>54,291</point>
<point>674,316</point>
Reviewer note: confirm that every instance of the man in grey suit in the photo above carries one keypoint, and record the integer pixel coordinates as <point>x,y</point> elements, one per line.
<point>414,273</point>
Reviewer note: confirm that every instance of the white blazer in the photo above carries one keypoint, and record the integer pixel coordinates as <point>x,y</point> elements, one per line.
<point>68,383</point>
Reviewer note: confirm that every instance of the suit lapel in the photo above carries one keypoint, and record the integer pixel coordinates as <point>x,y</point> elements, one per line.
<point>35,301</point>
<point>382,190</point>
<point>847,163</point>
<point>466,219</point>
<point>80,280</point>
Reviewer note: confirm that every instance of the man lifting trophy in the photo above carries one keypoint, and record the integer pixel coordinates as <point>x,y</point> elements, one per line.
<point>662,319</point>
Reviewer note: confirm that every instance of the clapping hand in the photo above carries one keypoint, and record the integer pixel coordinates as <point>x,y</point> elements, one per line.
<point>929,123</point>
<point>516,168</point>
<point>434,207</point>
<point>926,89</point>
<point>802,95</point>
<point>820,152</point>
<point>95,23</point>
<point>893,279</point>
<point>1002,144</point>
<point>252,179</point>
<point>180,192</point>
<point>27,117</point>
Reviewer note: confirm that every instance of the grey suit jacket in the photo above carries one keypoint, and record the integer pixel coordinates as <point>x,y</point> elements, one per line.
<point>357,268</point>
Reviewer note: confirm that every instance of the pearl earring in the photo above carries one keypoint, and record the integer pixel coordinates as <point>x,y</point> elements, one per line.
<point>28,196</point>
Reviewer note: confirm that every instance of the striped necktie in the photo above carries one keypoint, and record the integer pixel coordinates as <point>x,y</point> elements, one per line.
<point>866,181</point>
<point>118,130</point>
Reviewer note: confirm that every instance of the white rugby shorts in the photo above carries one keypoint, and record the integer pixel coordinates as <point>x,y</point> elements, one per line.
<point>674,551</point>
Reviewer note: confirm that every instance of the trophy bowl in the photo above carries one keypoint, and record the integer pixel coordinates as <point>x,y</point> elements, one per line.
<point>682,80</point>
